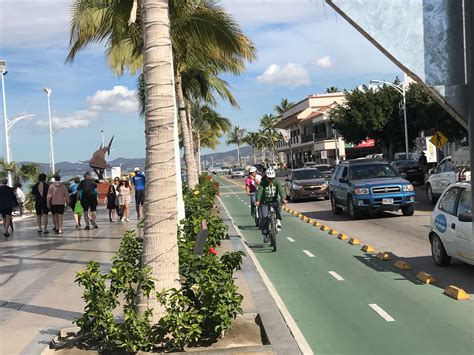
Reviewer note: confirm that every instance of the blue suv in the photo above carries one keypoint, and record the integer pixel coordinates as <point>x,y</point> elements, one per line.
<point>369,185</point>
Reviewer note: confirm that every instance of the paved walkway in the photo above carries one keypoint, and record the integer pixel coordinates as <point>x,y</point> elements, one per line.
<point>346,301</point>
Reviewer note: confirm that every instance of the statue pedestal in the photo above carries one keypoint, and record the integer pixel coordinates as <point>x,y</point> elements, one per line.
<point>102,188</point>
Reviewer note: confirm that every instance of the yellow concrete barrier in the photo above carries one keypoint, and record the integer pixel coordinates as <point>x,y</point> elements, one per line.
<point>333,232</point>
<point>304,218</point>
<point>295,213</point>
<point>456,293</point>
<point>324,228</point>
<point>383,256</point>
<point>342,236</point>
<point>310,221</point>
<point>425,278</point>
<point>317,224</point>
<point>402,265</point>
<point>354,241</point>
<point>368,248</point>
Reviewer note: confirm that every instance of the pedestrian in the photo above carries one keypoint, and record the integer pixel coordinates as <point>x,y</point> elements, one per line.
<point>58,197</point>
<point>118,209</point>
<point>139,182</point>
<point>7,202</point>
<point>87,192</point>
<point>73,200</point>
<point>40,193</point>
<point>20,197</point>
<point>110,201</point>
<point>124,199</point>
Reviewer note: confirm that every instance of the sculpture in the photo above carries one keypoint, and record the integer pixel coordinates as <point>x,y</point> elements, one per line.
<point>98,162</point>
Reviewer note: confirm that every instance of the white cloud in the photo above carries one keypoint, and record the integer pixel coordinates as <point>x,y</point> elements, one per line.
<point>324,62</point>
<point>291,75</point>
<point>78,119</point>
<point>119,99</point>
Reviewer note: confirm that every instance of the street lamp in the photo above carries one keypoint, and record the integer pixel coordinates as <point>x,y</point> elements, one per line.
<point>48,91</point>
<point>400,89</point>
<point>8,123</point>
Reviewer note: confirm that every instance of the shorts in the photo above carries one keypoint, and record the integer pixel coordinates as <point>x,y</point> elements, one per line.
<point>139,197</point>
<point>41,210</point>
<point>6,212</point>
<point>57,209</point>
<point>89,203</point>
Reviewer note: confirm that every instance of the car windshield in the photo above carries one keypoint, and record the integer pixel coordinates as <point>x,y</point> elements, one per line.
<point>307,174</point>
<point>406,162</point>
<point>372,172</point>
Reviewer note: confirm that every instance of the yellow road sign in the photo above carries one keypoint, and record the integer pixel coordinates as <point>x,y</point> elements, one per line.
<point>439,139</point>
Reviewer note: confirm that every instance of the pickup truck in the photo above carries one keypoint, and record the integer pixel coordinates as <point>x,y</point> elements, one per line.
<point>452,169</point>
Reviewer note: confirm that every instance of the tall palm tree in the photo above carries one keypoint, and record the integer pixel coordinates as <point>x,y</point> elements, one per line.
<point>284,106</point>
<point>160,247</point>
<point>236,136</point>
<point>332,89</point>
<point>254,140</point>
<point>267,123</point>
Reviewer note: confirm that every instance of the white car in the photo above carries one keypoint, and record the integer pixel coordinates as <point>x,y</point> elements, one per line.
<point>237,173</point>
<point>451,226</point>
<point>449,170</point>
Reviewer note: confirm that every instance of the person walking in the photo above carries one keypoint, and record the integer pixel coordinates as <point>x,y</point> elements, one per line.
<point>20,197</point>
<point>118,209</point>
<point>40,193</point>
<point>87,192</point>
<point>7,202</point>
<point>423,161</point>
<point>124,199</point>
<point>139,182</point>
<point>73,200</point>
<point>58,197</point>
<point>110,201</point>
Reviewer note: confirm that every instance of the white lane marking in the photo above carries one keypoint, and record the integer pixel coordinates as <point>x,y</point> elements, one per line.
<point>307,252</point>
<point>336,275</point>
<point>290,239</point>
<point>381,312</point>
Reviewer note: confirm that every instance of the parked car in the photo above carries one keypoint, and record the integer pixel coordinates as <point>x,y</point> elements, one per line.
<point>410,170</point>
<point>237,173</point>
<point>306,183</point>
<point>325,169</point>
<point>369,185</point>
<point>404,156</point>
<point>309,164</point>
<point>451,226</point>
<point>451,169</point>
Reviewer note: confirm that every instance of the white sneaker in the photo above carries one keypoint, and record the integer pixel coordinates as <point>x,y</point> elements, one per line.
<point>122,219</point>
<point>127,220</point>
<point>278,224</point>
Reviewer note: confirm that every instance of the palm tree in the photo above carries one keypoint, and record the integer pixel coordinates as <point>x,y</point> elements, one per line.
<point>160,247</point>
<point>236,136</point>
<point>284,106</point>
<point>332,89</point>
<point>267,123</point>
<point>254,140</point>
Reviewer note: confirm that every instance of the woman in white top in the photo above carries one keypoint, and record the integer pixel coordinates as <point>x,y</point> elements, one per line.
<point>124,199</point>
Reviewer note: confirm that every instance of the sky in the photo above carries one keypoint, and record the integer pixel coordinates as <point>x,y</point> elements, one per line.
<point>303,48</point>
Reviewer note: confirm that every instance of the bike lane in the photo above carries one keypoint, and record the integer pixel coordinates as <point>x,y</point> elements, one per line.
<point>346,301</point>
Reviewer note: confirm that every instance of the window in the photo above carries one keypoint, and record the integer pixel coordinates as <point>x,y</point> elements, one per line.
<point>336,173</point>
<point>448,201</point>
<point>344,172</point>
<point>375,171</point>
<point>449,166</point>
<point>307,174</point>
<point>440,167</point>
<point>465,202</point>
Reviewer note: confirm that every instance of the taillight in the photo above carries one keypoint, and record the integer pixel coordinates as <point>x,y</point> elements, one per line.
<point>462,176</point>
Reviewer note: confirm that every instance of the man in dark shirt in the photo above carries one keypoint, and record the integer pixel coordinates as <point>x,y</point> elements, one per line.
<point>7,202</point>
<point>87,193</point>
<point>40,192</point>
<point>139,182</point>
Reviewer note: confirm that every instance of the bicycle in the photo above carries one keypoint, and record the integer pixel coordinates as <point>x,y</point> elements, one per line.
<point>273,227</point>
<point>255,214</point>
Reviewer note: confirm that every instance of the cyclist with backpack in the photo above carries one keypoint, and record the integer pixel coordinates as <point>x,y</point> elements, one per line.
<point>267,194</point>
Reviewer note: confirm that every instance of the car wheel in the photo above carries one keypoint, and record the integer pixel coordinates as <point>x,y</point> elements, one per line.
<point>440,257</point>
<point>335,209</point>
<point>429,194</point>
<point>408,210</point>
<point>354,212</point>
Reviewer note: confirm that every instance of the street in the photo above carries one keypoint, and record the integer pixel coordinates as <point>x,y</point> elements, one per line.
<point>348,301</point>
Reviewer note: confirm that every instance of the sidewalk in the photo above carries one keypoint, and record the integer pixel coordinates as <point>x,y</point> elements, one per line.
<point>38,295</point>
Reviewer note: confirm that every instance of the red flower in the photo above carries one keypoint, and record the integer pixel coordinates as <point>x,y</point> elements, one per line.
<point>212,251</point>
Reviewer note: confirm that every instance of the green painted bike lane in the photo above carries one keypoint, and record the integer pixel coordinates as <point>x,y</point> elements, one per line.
<point>334,315</point>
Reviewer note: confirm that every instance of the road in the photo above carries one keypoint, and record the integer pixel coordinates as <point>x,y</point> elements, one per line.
<point>346,301</point>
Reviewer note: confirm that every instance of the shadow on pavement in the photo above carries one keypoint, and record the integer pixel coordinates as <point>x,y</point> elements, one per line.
<point>46,311</point>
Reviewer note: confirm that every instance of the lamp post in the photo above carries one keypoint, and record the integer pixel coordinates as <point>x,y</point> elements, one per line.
<point>48,91</point>
<point>401,89</point>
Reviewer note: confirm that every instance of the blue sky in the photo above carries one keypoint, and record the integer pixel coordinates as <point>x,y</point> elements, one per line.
<point>303,48</point>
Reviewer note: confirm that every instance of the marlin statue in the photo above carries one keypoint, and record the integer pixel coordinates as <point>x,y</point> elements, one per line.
<point>98,162</point>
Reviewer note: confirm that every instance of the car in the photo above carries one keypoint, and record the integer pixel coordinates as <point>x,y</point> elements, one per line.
<point>410,170</point>
<point>325,169</point>
<point>451,169</point>
<point>309,164</point>
<point>404,156</point>
<point>237,173</point>
<point>451,226</point>
<point>306,183</point>
<point>369,185</point>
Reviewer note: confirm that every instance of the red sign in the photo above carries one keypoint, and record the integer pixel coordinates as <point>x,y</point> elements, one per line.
<point>366,144</point>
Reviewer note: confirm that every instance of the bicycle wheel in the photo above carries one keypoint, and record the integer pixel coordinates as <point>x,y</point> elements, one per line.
<point>273,231</point>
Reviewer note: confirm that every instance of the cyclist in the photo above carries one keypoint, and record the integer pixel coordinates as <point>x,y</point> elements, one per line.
<point>267,194</point>
<point>251,185</point>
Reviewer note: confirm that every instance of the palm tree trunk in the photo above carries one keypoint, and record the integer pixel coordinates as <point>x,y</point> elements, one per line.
<point>191,133</point>
<point>254,156</point>
<point>238,154</point>
<point>160,247</point>
<point>191,171</point>
<point>197,152</point>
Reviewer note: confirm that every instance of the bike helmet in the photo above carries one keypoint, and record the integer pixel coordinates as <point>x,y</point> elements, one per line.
<point>270,173</point>
<point>252,169</point>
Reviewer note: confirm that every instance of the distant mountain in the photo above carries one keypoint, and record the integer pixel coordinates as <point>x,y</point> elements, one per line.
<point>230,157</point>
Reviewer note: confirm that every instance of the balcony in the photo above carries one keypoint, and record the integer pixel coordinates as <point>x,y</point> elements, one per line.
<point>306,138</point>
<point>320,136</point>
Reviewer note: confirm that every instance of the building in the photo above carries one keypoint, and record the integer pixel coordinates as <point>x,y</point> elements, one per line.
<point>311,134</point>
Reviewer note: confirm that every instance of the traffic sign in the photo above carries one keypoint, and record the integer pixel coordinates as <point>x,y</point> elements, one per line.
<point>439,139</point>
<point>324,154</point>
<point>420,143</point>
